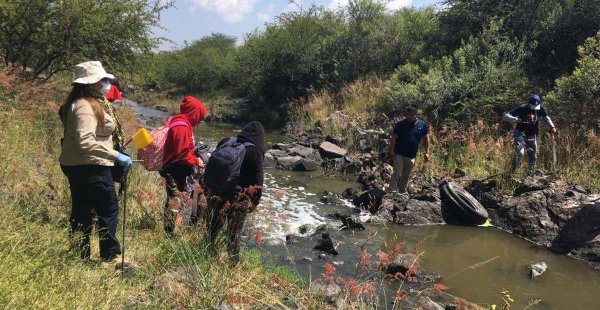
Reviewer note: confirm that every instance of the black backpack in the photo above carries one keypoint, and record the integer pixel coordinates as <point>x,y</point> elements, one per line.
<point>222,173</point>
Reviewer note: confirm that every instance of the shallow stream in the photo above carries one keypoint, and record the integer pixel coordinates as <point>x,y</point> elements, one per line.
<point>475,263</point>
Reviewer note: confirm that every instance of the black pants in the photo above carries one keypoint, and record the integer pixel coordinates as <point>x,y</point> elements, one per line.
<point>231,214</point>
<point>93,189</point>
<point>176,176</point>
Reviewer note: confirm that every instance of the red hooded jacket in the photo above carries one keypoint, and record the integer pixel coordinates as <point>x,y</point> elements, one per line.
<point>179,146</point>
<point>114,94</point>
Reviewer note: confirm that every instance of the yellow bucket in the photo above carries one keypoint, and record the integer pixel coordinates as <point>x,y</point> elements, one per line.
<point>141,139</point>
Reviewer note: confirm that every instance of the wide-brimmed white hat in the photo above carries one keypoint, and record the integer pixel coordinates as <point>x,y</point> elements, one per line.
<point>90,72</point>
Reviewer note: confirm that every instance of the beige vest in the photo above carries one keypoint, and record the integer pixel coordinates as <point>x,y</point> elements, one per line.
<point>85,143</point>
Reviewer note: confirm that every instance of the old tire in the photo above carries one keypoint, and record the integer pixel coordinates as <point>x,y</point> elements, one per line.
<point>460,207</point>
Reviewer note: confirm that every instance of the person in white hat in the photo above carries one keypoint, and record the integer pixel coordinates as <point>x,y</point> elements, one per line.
<point>87,155</point>
<point>527,119</point>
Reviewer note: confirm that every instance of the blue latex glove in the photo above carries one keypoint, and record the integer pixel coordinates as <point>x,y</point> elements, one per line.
<point>124,161</point>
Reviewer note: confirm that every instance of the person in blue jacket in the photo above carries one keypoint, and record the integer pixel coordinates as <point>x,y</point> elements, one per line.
<point>404,145</point>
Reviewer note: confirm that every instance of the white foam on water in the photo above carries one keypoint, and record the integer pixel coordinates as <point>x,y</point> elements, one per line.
<point>282,211</point>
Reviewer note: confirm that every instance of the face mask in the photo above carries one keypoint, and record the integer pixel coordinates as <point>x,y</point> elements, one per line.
<point>533,107</point>
<point>105,87</point>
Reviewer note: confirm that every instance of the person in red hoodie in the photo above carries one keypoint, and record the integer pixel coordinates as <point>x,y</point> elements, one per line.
<point>114,93</point>
<point>180,162</point>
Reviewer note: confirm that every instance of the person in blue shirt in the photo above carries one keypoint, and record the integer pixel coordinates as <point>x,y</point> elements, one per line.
<point>404,145</point>
<point>527,117</point>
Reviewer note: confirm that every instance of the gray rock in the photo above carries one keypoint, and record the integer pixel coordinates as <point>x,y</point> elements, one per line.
<point>419,212</point>
<point>308,164</point>
<point>330,150</point>
<point>532,183</point>
<point>335,139</point>
<point>331,291</point>
<point>277,153</point>
<point>270,161</point>
<point>427,304</point>
<point>292,239</point>
<point>351,222</point>
<point>371,179</point>
<point>132,87</point>
<point>351,166</point>
<point>370,200</point>
<point>326,244</point>
<point>330,198</point>
<point>402,263</point>
<point>363,146</point>
<point>305,228</point>
<point>282,146</point>
<point>289,162</point>
<point>305,152</point>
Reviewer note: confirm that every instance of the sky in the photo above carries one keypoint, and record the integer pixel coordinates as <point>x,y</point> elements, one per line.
<point>190,20</point>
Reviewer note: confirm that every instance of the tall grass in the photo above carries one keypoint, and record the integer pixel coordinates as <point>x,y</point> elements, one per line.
<point>39,271</point>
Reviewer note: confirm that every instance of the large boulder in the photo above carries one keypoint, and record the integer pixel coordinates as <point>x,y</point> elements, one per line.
<point>551,213</point>
<point>404,210</point>
<point>419,212</point>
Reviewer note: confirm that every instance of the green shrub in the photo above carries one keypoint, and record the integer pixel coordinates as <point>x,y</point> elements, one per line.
<point>485,72</point>
<point>576,97</point>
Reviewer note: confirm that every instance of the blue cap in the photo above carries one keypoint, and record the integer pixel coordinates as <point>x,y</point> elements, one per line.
<point>535,100</point>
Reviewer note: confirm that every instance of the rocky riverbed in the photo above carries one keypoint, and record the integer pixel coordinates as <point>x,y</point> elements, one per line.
<point>546,210</point>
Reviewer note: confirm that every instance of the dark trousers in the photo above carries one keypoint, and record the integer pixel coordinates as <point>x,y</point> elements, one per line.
<point>231,214</point>
<point>93,190</point>
<point>176,176</point>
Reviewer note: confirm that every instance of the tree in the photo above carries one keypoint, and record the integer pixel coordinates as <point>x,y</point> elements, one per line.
<point>44,37</point>
<point>286,60</point>
<point>483,75</point>
<point>556,27</point>
<point>576,97</point>
<point>203,67</point>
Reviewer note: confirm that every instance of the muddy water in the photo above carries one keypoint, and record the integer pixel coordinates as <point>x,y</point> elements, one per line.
<point>475,263</point>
